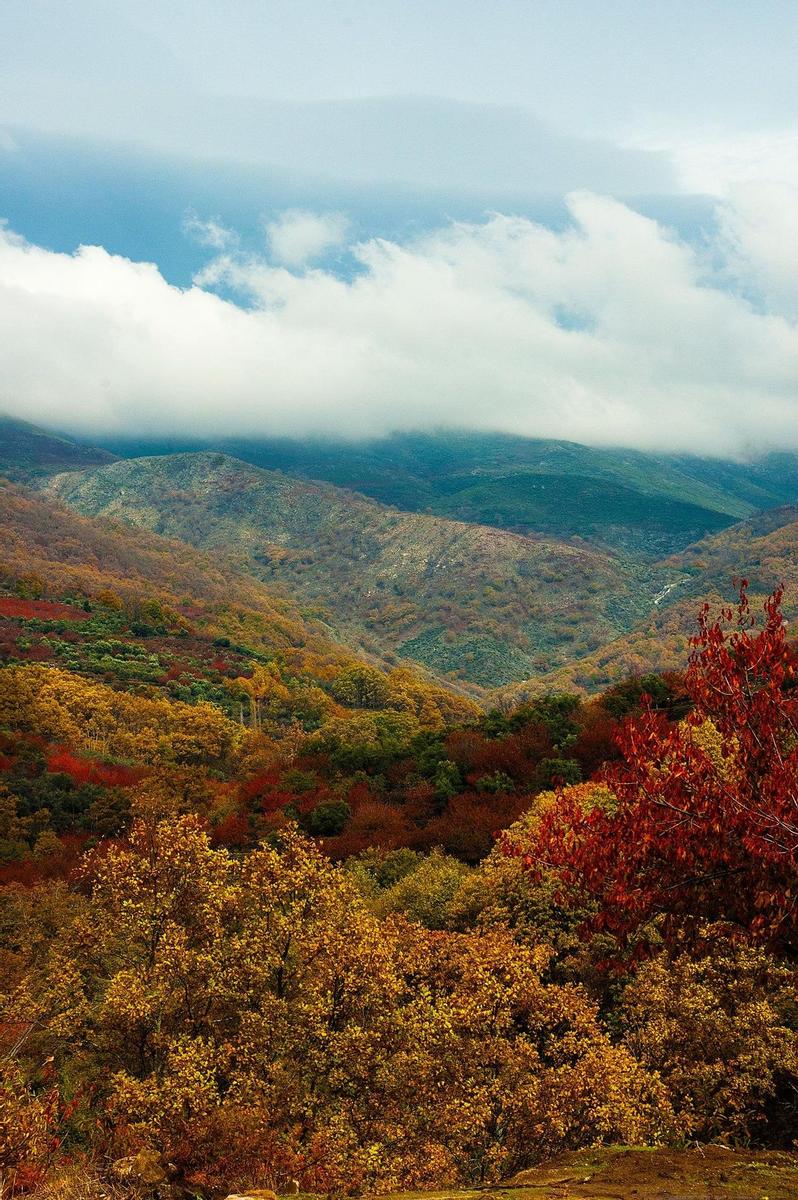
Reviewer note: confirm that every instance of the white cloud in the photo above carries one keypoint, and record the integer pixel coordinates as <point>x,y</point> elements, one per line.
<point>716,164</point>
<point>297,237</point>
<point>609,332</point>
<point>759,226</point>
<point>210,233</point>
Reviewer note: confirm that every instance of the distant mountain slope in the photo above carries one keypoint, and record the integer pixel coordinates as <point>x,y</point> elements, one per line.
<point>72,552</point>
<point>79,556</point>
<point>27,451</point>
<point>763,549</point>
<point>479,603</point>
<point>651,505</point>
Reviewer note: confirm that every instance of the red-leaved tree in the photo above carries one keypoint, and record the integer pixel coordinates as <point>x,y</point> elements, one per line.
<point>705,828</point>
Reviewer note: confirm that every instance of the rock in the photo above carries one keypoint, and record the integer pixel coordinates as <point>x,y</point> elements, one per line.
<point>256,1194</point>
<point>143,1171</point>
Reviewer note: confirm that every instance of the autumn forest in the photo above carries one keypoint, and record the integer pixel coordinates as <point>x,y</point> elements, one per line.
<point>282,909</point>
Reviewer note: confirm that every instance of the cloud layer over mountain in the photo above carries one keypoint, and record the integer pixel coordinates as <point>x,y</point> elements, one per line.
<point>611,331</point>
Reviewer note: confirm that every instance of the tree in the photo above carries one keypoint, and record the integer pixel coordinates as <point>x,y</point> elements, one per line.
<point>252,1020</point>
<point>721,1028</point>
<point>328,818</point>
<point>30,587</point>
<point>263,687</point>
<point>361,687</point>
<point>705,825</point>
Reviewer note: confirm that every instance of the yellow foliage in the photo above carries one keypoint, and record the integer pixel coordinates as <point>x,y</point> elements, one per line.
<point>64,707</point>
<point>722,1030</point>
<point>261,1000</point>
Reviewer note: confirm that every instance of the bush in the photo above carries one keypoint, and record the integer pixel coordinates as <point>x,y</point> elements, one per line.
<point>722,1031</point>
<point>425,895</point>
<point>329,818</point>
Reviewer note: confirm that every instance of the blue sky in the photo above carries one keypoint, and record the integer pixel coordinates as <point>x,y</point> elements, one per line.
<point>177,133</point>
<point>123,114</point>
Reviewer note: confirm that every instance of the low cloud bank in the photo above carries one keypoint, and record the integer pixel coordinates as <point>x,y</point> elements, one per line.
<point>609,332</point>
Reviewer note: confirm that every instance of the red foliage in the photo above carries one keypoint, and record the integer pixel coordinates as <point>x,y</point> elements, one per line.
<point>259,785</point>
<point>267,792</point>
<point>44,610</point>
<point>468,827</point>
<point>373,823</point>
<point>699,834</point>
<point>86,770</point>
<point>516,754</point>
<point>36,654</point>
<point>234,830</point>
<point>62,863</point>
<point>63,762</point>
<point>420,803</point>
<point>597,741</point>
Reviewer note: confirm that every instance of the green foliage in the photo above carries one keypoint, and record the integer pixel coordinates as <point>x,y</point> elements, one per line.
<point>375,869</point>
<point>361,687</point>
<point>556,772</point>
<point>625,697</point>
<point>447,780</point>
<point>29,587</point>
<point>329,818</point>
<point>495,783</point>
<point>425,894</point>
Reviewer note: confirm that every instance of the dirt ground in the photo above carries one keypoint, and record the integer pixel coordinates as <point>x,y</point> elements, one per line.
<point>621,1173</point>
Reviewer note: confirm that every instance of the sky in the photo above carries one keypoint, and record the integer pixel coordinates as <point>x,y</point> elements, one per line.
<point>259,217</point>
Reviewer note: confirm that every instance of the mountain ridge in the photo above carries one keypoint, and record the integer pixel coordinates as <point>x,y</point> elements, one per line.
<point>28,452</point>
<point>556,487</point>
<point>481,605</point>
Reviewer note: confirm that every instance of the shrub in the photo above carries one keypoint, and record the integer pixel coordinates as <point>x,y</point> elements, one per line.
<point>722,1031</point>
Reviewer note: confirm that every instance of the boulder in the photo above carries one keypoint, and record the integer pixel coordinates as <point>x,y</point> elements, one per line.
<point>142,1171</point>
<point>255,1194</point>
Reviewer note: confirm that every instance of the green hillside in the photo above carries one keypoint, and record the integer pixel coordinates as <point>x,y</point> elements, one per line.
<point>469,601</point>
<point>763,550</point>
<point>27,452</point>
<point>648,504</point>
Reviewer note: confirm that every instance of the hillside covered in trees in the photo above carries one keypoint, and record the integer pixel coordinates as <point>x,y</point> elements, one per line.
<point>466,600</point>
<point>260,920</point>
<point>493,599</point>
<point>276,909</point>
<point>647,504</point>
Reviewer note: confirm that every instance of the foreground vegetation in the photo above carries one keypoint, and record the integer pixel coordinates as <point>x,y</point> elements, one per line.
<point>621,967</point>
<point>259,922</point>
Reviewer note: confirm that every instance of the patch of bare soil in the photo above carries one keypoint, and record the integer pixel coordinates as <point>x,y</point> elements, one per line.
<point>619,1173</point>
